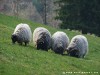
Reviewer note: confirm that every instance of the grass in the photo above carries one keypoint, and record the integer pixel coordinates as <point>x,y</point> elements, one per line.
<point>21,60</point>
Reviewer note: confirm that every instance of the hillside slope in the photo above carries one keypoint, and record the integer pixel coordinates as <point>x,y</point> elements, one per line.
<point>21,60</point>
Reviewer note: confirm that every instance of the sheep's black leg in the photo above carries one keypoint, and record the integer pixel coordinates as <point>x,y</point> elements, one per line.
<point>25,43</point>
<point>38,47</point>
<point>20,43</point>
<point>46,49</point>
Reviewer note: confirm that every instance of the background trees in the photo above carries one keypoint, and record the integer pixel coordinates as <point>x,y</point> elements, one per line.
<point>43,7</point>
<point>80,15</point>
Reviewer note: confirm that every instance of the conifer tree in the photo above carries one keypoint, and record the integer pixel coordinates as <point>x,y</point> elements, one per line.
<point>80,15</point>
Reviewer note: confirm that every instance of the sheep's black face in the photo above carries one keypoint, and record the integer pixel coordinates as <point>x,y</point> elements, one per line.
<point>59,50</point>
<point>42,44</point>
<point>72,52</point>
<point>14,38</point>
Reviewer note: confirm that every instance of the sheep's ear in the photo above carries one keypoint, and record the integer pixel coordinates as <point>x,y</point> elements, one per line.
<point>75,40</point>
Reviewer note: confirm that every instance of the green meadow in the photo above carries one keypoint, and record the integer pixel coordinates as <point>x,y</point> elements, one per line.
<point>27,60</point>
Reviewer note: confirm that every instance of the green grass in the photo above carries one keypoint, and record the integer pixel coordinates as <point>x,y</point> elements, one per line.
<point>21,60</point>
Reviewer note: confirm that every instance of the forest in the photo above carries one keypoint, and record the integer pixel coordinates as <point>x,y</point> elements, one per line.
<point>82,15</point>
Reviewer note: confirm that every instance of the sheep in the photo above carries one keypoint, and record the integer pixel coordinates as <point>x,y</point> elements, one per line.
<point>22,33</point>
<point>42,38</point>
<point>78,46</point>
<point>60,42</point>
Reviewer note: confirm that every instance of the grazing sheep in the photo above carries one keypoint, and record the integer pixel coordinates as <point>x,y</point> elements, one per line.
<point>22,33</point>
<point>78,46</point>
<point>42,38</point>
<point>60,42</point>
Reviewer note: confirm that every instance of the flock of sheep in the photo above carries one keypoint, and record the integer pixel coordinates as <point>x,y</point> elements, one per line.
<point>58,42</point>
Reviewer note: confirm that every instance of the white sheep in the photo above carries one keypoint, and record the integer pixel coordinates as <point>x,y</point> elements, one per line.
<point>42,38</point>
<point>22,33</point>
<point>60,42</point>
<point>78,46</point>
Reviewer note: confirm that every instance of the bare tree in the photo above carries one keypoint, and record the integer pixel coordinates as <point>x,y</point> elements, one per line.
<point>44,11</point>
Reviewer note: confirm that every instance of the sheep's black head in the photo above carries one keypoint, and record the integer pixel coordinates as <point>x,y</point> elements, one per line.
<point>14,38</point>
<point>59,47</point>
<point>59,50</point>
<point>72,52</point>
<point>42,43</point>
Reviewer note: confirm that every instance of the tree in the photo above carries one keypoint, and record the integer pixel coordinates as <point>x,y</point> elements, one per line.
<point>41,6</point>
<point>45,12</point>
<point>44,7</point>
<point>80,15</point>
